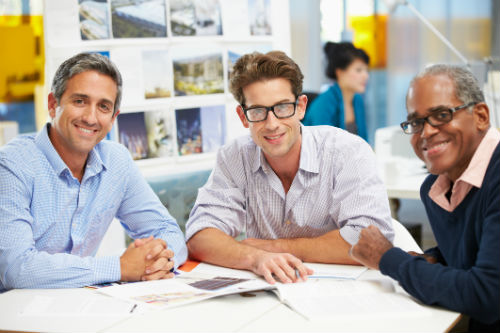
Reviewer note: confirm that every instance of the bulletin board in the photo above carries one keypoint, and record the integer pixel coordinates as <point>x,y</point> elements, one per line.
<point>175,57</point>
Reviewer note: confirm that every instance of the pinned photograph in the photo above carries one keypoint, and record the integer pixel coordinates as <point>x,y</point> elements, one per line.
<point>188,131</point>
<point>235,52</point>
<point>259,12</point>
<point>213,127</point>
<point>138,19</point>
<point>195,17</point>
<point>132,134</point>
<point>197,72</point>
<point>160,132</point>
<point>157,74</point>
<point>94,19</point>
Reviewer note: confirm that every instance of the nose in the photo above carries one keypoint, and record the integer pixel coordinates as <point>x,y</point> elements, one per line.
<point>271,122</point>
<point>90,115</point>
<point>428,130</point>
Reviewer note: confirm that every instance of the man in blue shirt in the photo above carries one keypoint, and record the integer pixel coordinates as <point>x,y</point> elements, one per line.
<point>61,188</point>
<point>451,133</point>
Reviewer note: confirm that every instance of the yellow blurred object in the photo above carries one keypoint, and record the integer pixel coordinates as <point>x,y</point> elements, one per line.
<point>370,34</point>
<point>22,57</point>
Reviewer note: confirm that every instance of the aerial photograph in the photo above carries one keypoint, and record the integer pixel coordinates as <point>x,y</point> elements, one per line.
<point>94,19</point>
<point>138,18</point>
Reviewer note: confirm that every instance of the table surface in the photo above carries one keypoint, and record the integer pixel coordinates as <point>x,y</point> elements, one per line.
<point>259,311</point>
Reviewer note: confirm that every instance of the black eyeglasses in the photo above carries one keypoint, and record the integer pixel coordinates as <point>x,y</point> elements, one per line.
<point>280,111</point>
<point>437,118</point>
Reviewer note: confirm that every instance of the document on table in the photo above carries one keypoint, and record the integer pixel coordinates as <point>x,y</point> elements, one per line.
<point>320,271</point>
<point>332,271</point>
<point>319,298</point>
<point>184,289</point>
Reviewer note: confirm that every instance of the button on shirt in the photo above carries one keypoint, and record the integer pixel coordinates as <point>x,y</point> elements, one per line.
<point>51,225</point>
<point>336,186</point>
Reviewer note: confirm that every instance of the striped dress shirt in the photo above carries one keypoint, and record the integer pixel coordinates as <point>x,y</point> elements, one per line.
<point>51,225</point>
<point>336,187</point>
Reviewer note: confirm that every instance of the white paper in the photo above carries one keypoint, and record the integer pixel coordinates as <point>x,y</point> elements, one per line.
<point>316,299</point>
<point>336,271</point>
<point>61,22</point>
<point>178,291</point>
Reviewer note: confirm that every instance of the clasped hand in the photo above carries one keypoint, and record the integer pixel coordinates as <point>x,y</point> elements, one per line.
<point>147,259</point>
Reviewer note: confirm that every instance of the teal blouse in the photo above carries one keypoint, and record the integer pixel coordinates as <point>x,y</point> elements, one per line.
<point>328,109</point>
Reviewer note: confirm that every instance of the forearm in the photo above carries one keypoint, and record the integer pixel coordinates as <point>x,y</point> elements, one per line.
<point>61,270</point>
<point>328,248</point>
<point>214,246</point>
<point>473,291</point>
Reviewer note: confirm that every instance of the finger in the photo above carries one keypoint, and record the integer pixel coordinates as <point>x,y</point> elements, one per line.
<point>280,274</point>
<point>155,251</point>
<point>166,253</point>
<point>303,271</point>
<point>290,267</point>
<point>155,276</point>
<point>141,241</point>
<point>268,276</point>
<point>168,276</point>
<point>160,264</point>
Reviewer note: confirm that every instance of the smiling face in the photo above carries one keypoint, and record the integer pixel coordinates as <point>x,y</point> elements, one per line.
<point>84,114</point>
<point>354,77</point>
<point>278,138</point>
<point>449,148</point>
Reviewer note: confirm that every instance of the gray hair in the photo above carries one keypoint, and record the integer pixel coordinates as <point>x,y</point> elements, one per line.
<point>467,88</point>
<point>84,62</point>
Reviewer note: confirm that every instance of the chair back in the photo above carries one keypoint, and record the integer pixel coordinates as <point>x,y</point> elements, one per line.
<point>403,238</point>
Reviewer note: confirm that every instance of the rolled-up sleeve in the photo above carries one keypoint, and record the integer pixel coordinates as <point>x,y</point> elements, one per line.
<point>360,192</point>
<point>221,203</point>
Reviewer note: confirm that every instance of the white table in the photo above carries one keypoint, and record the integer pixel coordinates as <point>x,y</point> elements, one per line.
<point>234,313</point>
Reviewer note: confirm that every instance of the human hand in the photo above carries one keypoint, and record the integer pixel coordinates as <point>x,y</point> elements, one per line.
<point>161,256</point>
<point>284,266</point>
<point>370,247</point>
<point>430,259</point>
<point>146,259</point>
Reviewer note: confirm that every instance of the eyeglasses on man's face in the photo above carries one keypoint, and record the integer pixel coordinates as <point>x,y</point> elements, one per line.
<point>280,111</point>
<point>438,117</point>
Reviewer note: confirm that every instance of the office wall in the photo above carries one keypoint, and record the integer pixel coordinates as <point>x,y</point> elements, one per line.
<point>412,46</point>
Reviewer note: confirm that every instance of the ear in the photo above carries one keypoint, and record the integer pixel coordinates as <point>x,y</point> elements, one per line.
<point>52,105</point>
<point>301,106</point>
<point>482,116</point>
<point>115,115</point>
<point>241,114</point>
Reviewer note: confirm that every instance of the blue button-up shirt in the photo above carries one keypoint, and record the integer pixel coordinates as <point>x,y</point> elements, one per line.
<point>51,225</point>
<point>336,187</point>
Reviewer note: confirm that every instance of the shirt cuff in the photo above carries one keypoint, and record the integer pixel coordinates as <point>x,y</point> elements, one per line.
<point>391,262</point>
<point>350,234</point>
<point>107,269</point>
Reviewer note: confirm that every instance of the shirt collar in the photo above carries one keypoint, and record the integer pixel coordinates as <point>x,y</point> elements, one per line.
<point>309,159</point>
<point>94,161</point>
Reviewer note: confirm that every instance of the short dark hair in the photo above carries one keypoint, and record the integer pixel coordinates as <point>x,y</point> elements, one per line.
<point>341,55</point>
<point>256,66</point>
<point>84,62</point>
<point>467,88</point>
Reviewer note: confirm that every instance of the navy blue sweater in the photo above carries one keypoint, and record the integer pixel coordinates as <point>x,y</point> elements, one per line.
<point>467,277</point>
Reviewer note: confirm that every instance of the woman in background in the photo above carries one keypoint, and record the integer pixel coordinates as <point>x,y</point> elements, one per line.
<point>342,105</point>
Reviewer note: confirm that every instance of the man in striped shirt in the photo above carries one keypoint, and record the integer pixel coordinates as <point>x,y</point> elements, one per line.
<point>299,194</point>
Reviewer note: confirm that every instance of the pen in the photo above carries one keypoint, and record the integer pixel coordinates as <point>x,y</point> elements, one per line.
<point>133,308</point>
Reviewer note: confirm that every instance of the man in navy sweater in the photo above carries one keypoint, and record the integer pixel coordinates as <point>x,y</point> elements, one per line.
<point>450,128</point>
